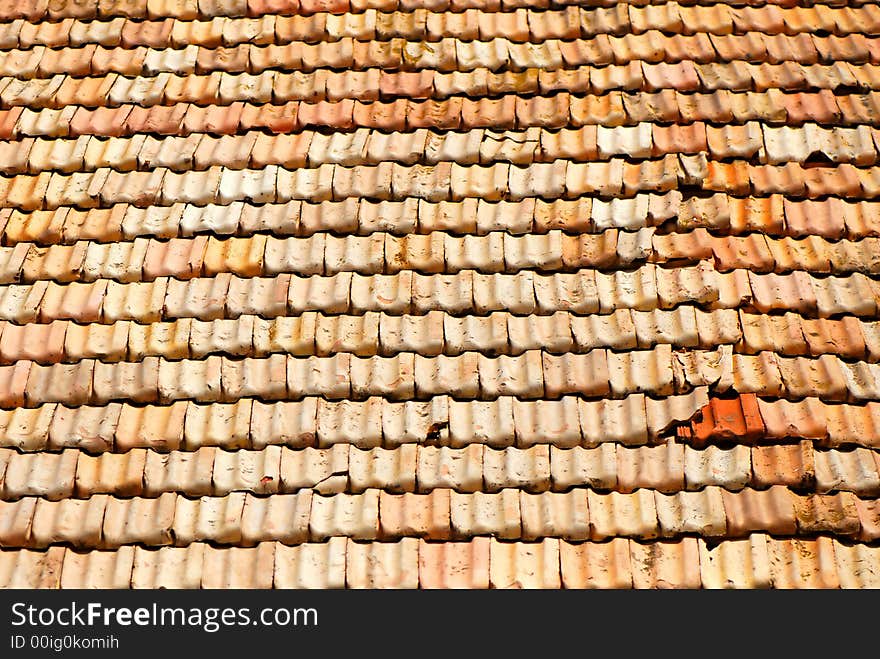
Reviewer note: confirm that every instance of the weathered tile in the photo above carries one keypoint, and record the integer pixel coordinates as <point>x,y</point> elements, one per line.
<point>524,564</point>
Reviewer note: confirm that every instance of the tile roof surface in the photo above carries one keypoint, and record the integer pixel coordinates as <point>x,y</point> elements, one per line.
<point>462,293</point>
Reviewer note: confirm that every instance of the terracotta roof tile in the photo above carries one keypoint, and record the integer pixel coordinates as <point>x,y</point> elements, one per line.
<point>736,564</point>
<point>795,564</point>
<point>345,277</point>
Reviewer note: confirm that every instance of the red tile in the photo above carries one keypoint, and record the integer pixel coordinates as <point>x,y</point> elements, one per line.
<point>729,419</point>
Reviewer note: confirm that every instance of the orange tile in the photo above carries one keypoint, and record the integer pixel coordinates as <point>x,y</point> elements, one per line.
<point>153,34</point>
<point>155,119</point>
<point>605,110</point>
<point>542,111</point>
<point>13,382</point>
<point>442,115</point>
<point>8,121</point>
<point>834,514</point>
<point>500,113</point>
<point>42,343</point>
<point>681,76</point>
<point>784,464</point>
<point>676,138</point>
<point>408,84</point>
<point>751,510</point>
<point>384,116</point>
<point>454,564</point>
<point>730,419</point>
<point>279,7</point>
<point>215,119</point>
<point>820,107</point>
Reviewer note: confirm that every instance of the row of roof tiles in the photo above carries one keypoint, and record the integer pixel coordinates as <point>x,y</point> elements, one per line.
<point>771,18</point>
<point>119,222</point>
<point>104,521</point>
<point>636,420</point>
<point>532,374</point>
<point>437,333</point>
<point>454,54</point>
<point>611,109</point>
<point>209,471</point>
<point>583,292</point>
<point>754,562</point>
<point>364,146</point>
<point>441,421</point>
<point>406,376</point>
<point>175,29</point>
<point>156,81</point>
<point>443,182</point>
<point>832,218</point>
<point>498,333</point>
<point>146,259</point>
